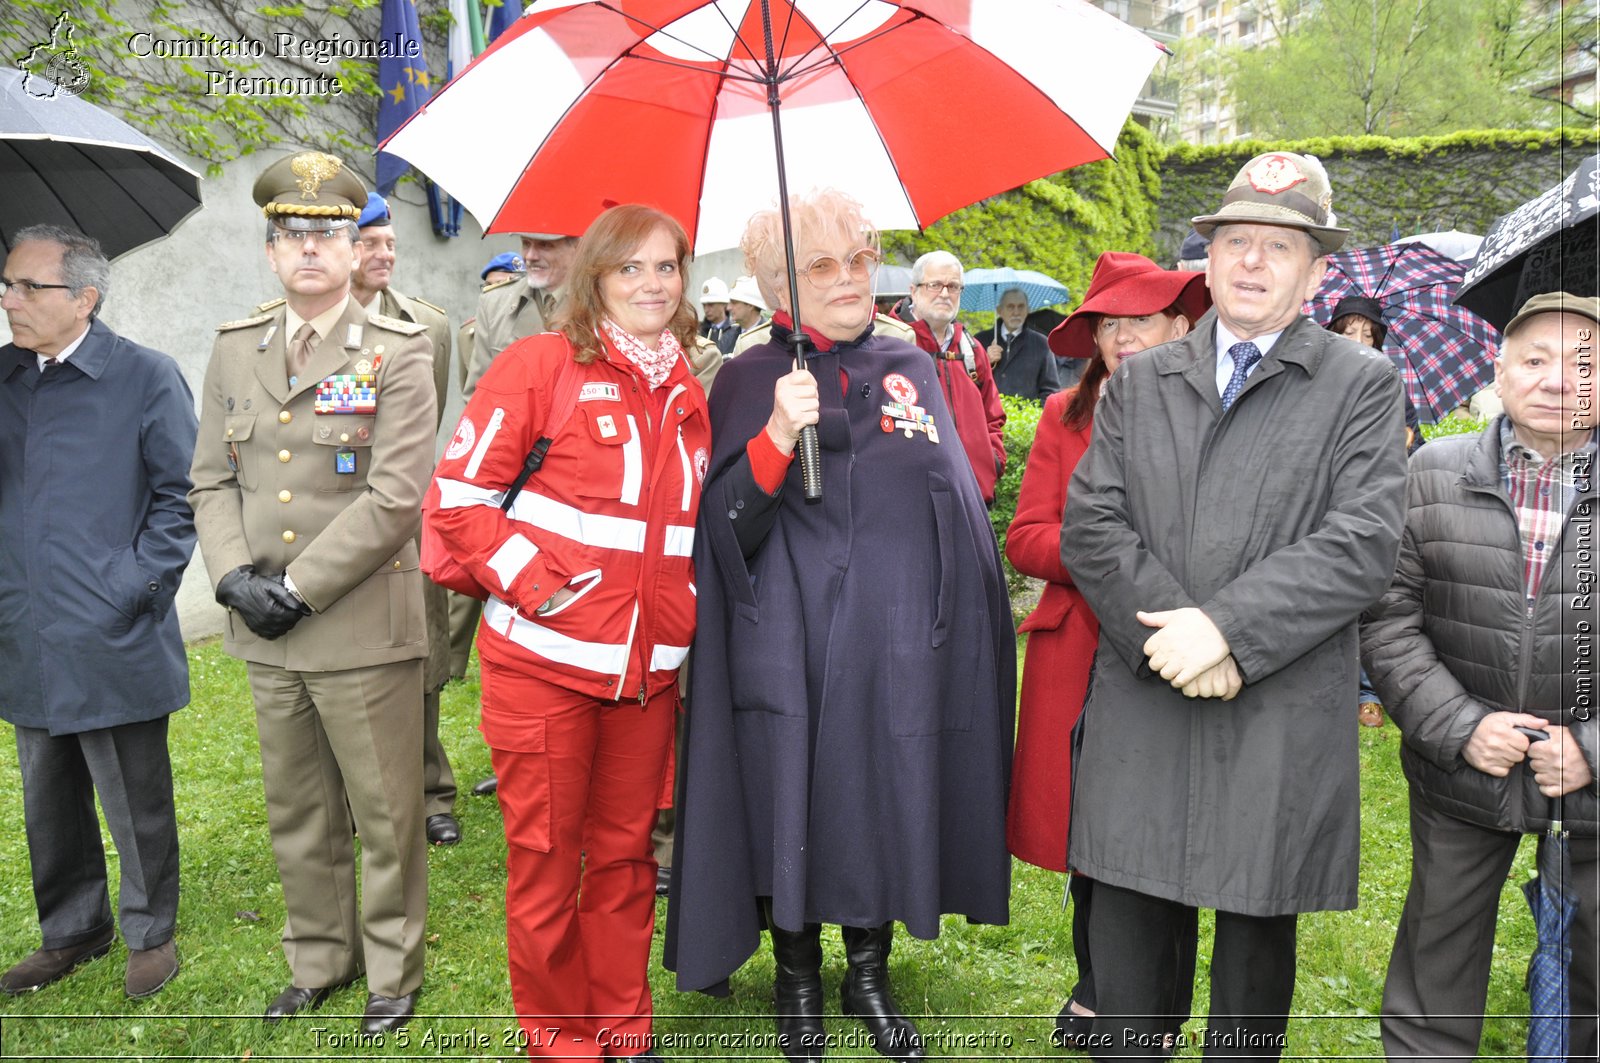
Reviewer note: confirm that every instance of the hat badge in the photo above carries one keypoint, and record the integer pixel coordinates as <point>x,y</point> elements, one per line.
<point>313,168</point>
<point>1274,173</point>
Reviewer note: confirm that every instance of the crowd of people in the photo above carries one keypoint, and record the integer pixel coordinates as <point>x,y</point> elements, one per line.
<point>779,685</point>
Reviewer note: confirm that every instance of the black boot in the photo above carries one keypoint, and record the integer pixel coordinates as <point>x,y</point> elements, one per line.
<point>797,989</point>
<point>865,992</point>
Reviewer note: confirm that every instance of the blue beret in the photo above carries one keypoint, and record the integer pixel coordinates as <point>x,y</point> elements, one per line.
<point>376,212</point>
<point>507,260</point>
<point>1194,247</point>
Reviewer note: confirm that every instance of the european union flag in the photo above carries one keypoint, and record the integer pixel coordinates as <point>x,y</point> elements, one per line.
<point>402,81</point>
<point>502,18</point>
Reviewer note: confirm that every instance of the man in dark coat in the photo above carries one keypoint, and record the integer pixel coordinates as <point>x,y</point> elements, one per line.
<point>1479,650</point>
<point>854,674</point>
<point>96,435</point>
<point>1239,505</point>
<point>1019,356</point>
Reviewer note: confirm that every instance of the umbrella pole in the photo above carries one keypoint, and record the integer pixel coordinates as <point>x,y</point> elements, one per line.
<point>809,450</point>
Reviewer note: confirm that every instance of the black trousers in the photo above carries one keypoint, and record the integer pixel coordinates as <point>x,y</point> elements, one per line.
<point>129,767</point>
<point>1142,945</point>
<point>1082,890</point>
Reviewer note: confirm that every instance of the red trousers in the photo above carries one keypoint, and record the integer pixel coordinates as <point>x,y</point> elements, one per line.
<point>580,780</point>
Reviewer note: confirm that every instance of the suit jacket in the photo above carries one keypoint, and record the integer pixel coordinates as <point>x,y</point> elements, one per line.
<point>1028,369</point>
<point>95,533</point>
<point>507,312</point>
<point>267,490</point>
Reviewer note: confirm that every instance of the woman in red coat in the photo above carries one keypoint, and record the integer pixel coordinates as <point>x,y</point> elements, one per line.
<point>591,610</point>
<point>1131,304</point>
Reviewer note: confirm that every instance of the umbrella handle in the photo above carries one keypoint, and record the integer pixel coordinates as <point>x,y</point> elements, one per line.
<point>810,463</point>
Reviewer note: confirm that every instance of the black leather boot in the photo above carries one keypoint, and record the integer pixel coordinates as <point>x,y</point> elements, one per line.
<point>797,989</point>
<point>866,995</point>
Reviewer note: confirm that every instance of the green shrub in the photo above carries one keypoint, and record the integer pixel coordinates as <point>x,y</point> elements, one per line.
<point>1453,426</point>
<point>1022,418</point>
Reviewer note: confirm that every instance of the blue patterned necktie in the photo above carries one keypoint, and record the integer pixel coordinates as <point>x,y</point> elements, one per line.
<point>1245,356</point>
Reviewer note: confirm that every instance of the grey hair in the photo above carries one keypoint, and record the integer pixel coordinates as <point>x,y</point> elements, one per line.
<point>1026,301</point>
<point>935,258</point>
<point>83,264</point>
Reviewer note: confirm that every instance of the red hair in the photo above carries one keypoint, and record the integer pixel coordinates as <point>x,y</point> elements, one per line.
<point>609,242</point>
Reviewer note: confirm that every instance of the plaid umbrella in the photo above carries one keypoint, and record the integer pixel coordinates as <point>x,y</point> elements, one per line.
<point>1555,907</point>
<point>1445,353</point>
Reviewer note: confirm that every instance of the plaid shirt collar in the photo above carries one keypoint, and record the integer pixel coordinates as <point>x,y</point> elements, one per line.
<point>1541,491</point>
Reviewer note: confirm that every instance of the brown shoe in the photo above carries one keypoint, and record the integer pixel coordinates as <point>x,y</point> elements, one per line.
<point>1370,714</point>
<point>150,969</point>
<point>44,966</point>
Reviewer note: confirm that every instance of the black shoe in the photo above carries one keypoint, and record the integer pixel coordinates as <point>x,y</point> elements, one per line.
<point>797,989</point>
<point>487,786</point>
<point>1072,1029</point>
<point>388,1013</point>
<point>443,829</point>
<point>663,881</point>
<point>294,1000</point>
<point>865,992</point>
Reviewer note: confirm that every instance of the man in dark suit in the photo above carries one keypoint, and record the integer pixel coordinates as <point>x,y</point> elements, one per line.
<point>96,434</point>
<point>316,439</point>
<point>1019,356</point>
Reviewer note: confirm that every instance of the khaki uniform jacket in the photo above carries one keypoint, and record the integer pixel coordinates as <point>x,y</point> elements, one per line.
<point>403,308</point>
<point>267,493</point>
<point>507,312</point>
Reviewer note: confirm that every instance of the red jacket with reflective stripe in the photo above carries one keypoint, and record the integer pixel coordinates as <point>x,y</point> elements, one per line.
<point>610,514</point>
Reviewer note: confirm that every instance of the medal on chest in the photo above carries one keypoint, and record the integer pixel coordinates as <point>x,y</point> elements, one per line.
<point>902,413</point>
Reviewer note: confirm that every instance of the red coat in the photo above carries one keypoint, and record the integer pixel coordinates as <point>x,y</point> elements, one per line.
<point>1062,637</point>
<point>610,514</point>
<point>974,406</point>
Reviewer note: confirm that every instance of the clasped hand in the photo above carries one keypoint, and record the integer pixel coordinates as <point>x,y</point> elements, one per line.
<point>794,405</point>
<point>1189,652</point>
<point>266,606</point>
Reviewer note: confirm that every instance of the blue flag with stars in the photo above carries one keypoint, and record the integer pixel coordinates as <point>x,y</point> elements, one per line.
<point>403,83</point>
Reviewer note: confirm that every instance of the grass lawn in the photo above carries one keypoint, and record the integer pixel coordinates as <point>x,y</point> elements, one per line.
<point>986,992</point>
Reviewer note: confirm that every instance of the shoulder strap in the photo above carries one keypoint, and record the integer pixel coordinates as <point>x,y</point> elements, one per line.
<point>563,400</point>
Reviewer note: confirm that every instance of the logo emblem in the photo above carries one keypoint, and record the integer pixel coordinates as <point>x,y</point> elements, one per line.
<point>599,390</point>
<point>1274,174</point>
<point>901,389</point>
<point>313,168</point>
<point>55,67</point>
<point>462,441</point>
<point>702,462</point>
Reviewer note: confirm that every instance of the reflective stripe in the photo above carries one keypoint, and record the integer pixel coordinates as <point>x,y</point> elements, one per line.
<point>602,657</point>
<point>569,522</point>
<point>627,650</point>
<point>512,557</point>
<point>632,464</point>
<point>679,541</point>
<point>482,448</point>
<point>688,471</point>
<point>667,657</point>
<point>453,494</point>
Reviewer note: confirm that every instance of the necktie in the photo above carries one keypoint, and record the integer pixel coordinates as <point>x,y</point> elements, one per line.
<point>299,352</point>
<point>1245,356</point>
<point>49,364</point>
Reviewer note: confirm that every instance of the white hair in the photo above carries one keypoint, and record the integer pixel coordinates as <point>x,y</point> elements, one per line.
<point>935,258</point>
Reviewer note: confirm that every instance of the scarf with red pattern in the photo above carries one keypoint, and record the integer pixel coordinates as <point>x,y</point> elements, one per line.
<point>656,365</point>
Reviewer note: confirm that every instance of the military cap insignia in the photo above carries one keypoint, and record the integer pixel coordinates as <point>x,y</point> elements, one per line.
<point>313,168</point>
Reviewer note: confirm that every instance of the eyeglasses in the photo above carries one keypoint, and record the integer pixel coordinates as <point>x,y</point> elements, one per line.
<point>824,272</point>
<point>953,287</point>
<point>299,236</point>
<point>27,289</point>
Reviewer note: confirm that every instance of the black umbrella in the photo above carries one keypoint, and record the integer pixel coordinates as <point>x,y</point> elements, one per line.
<point>67,162</point>
<point>1555,908</point>
<point>1548,244</point>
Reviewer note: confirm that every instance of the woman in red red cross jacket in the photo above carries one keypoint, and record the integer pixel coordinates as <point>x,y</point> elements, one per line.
<point>590,612</point>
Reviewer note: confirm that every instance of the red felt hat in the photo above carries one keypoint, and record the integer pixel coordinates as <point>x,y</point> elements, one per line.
<point>1128,285</point>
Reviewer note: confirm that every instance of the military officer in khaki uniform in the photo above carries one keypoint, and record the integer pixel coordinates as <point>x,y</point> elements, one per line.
<point>512,309</point>
<point>316,441</point>
<point>370,287</point>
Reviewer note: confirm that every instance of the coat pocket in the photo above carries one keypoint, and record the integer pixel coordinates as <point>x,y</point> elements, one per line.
<point>613,462</point>
<point>240,453</point>
<point>342,451</point>
<point>389,613</point>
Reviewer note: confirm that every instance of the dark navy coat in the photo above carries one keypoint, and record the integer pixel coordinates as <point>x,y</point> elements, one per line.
<point>848,742</point>
<point>95,533</point>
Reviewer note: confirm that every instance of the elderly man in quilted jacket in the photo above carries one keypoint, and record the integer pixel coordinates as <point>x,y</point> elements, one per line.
<point>1483,650</point>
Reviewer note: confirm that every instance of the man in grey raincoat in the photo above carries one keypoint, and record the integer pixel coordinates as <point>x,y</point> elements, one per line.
<point>1240,505</point>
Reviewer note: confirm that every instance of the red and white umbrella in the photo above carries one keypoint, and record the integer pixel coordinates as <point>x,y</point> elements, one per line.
<point>915,107</point>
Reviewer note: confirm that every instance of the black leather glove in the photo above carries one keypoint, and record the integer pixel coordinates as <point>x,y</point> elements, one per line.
<point>259,601</point>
